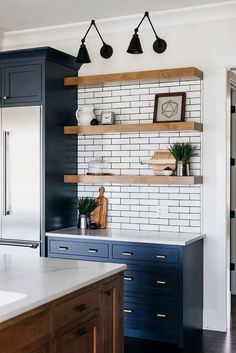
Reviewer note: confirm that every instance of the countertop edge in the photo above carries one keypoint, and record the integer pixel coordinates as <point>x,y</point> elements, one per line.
<point>65,292</point>
<point>56,234</point>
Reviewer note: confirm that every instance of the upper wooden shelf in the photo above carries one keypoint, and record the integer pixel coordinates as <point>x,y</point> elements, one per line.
<point>126,128</point>
<point>186,73</point>
<point>133,179</point>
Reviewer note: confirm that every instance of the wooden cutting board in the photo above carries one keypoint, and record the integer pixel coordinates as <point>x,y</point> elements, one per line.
<point>100,213</point>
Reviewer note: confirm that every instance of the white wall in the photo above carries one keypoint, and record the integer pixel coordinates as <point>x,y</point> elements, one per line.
<point>193,40</point>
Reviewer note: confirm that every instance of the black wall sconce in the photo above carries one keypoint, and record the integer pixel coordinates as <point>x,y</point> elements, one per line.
<point>159,46</point>
<point>106,50</point>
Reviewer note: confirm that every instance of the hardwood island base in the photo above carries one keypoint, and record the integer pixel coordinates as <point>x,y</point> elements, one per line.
<point>89,320</point>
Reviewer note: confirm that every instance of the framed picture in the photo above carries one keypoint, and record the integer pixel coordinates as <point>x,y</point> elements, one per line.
<point>169,107</point>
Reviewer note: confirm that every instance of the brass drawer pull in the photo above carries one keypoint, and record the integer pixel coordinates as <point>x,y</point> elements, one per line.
<point>81,332</point>
<point>81,307</point>
<point>127,278</point>
<point>161,257</point>
<point>93,251</point>
<point>127,253</point>
<point>63,248</point>
<point>161,282</point>
<point>161,316</point>
<point>128,311</point>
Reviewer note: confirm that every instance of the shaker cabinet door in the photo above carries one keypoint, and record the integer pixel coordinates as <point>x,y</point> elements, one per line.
<point>82,339</point>
<point>22,84</point>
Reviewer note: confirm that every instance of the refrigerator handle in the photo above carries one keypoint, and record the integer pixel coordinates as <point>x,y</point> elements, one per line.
<point>20,243</point>
<point>6,211</point>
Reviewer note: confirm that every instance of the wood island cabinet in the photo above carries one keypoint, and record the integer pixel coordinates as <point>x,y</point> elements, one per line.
<point>89,320</point>
<point>112,335</point>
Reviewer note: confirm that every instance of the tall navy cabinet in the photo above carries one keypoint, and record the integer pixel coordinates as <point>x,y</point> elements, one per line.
<point>36,77</point>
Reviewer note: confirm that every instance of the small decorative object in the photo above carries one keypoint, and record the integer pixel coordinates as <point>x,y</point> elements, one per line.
<point>100,213</point>
<point>97,167</point>
<point>159,46</point>
<point>169,107</point>
<point>107,118</point>
<point>85,114</point>
<point>183,152</point>
<point>167,171</point>
<point>160,160</point>
<point>106,50</point>
<point>85,206</point>
<point>93,226</point>
<point>94,121</point>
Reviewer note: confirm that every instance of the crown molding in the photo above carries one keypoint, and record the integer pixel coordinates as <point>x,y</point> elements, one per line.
<point>161,19</point>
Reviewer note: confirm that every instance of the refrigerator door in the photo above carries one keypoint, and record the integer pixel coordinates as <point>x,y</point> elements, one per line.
<point>21,165</point>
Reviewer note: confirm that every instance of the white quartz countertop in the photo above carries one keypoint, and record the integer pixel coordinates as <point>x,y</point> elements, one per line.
<point>151,237</point>
<point>28,281</point>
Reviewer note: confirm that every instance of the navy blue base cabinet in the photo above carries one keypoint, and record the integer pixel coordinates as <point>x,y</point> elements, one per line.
<point>163,284</point>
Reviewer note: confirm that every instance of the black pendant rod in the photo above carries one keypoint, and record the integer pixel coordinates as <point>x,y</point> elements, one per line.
<point>146,14</point>
<point>92,24</point>
<point>83,39</point>
<point>98,31</point>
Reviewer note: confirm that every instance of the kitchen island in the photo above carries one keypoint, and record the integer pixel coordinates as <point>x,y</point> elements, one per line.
<point>54,306</point>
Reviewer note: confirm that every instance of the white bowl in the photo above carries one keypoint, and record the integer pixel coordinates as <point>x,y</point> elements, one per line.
<point>167,172</point>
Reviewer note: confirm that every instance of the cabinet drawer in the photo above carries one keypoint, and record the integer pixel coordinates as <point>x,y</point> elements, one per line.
<point>163,315</point>
<point>79,248</point>
<point>76,307</point>
<point>164,281</point>
<point>145,253</point>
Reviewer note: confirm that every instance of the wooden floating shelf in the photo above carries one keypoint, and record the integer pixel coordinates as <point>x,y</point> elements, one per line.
<point>186,73</point>
<point>133,179</point>
<point>126,128</point>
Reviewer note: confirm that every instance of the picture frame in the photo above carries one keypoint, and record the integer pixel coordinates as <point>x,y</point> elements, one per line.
<point>169,107</point>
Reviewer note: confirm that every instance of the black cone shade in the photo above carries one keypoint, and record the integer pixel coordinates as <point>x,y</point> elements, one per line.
<point>159,46</point>
<point>83,55</point>
<point>106,51</point>
<point>135,45</point>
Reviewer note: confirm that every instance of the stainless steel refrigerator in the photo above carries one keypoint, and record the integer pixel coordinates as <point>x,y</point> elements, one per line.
<point>20,179</point>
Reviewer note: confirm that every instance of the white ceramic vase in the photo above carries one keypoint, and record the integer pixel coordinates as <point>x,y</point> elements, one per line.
<point>85,114</point>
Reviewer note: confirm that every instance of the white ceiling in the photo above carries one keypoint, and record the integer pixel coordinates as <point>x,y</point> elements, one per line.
<point>25,14</point>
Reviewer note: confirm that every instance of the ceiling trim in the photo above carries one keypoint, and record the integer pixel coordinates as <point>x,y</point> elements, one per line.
<point>161,19</point>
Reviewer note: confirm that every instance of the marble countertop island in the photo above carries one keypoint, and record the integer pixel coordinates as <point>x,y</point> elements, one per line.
<point>28,281</point>
<point>136,236</point>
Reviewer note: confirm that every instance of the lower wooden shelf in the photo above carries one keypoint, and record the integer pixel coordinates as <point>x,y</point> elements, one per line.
<point>133,179</point>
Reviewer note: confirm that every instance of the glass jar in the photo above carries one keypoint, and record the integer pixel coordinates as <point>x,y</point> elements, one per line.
<point>97,167</point>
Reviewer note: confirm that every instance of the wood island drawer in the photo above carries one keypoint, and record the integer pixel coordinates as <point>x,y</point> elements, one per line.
<point>76,307</point>
<point>78,248</point>
<point>148,253</point>
<point>163,282</point>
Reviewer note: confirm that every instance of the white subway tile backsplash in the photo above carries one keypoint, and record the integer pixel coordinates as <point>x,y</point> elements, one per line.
<point>135,206</point>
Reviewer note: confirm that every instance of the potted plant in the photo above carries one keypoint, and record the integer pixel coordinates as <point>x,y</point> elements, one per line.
<point>85,206</point>
<point>183,152</point>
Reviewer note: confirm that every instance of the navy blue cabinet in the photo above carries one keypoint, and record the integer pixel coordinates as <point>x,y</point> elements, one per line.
<point>163,293</point>
<point>22,84</point>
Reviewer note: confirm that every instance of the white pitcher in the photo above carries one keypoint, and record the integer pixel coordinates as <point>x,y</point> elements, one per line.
<point>85,114</point>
